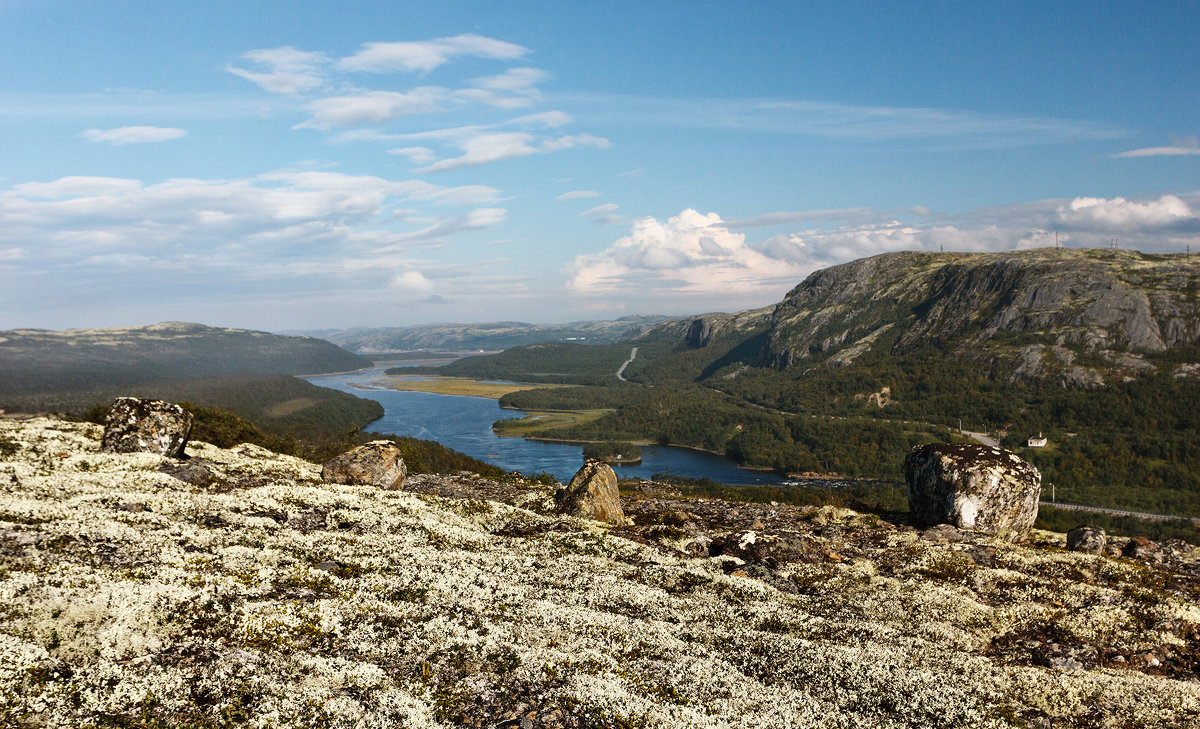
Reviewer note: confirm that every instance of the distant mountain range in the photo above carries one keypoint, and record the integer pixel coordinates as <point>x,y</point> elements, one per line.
<point>488,336</point>
<point>41,368</point>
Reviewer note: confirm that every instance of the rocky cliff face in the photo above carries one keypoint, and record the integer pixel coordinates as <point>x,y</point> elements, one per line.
<point>1033,312</point>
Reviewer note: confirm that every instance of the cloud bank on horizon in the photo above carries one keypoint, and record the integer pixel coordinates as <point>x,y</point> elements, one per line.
<point>371,186</point>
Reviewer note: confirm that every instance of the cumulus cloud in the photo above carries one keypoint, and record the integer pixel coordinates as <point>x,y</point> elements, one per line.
<point>424,56</point>
<point>413,283</point>
<point>133,135</point>
<point>287,70</point>
<point>691,253</point>
<point>578,195</point>
<point>1121,215</point>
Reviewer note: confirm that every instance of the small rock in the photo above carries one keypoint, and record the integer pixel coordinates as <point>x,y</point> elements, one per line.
<point>135,508</point>
<point>1066,658</point>
<point>592,494</point>
<point>378,463</point>
<point>1089,539</point>
<point>942,533</point>
<point>1142,549</point>
<point>193,472</point>
<point>134,425</point>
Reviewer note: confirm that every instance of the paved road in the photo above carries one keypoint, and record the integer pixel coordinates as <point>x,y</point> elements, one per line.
<point>983,438</point>
<point>621,372</point>
<point>1118,512</point>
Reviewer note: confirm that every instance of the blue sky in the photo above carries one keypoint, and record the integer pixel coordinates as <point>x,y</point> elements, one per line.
<point>304,165</point>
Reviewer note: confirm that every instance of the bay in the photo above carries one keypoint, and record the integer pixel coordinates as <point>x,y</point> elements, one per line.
<point>465,424</point>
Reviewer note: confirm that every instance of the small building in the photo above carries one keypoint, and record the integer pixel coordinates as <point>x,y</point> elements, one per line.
<point>1037,441</point>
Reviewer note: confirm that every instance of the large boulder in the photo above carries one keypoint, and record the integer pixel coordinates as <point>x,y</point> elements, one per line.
<point>378,463</point>
<point>134,425</point>
<point>973,487</point>
<point>592,494</point>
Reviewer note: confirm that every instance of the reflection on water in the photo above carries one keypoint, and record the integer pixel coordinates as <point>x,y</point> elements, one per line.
<point>465,424</point>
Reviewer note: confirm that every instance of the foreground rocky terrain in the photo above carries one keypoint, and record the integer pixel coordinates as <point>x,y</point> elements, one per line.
<point>235,588</point>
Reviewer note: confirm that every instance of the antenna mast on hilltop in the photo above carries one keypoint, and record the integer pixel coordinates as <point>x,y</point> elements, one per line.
<point>1113,244</point>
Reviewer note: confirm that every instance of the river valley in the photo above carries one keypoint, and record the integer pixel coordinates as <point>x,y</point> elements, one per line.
<point>465,424</point>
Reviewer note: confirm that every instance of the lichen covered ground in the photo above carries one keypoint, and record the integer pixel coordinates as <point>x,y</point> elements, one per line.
<point>252,594</point>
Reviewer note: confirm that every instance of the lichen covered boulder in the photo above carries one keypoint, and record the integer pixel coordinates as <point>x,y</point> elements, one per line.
<point>1089,539</point>
<point>378,463</point>
<point>592,494</point>
<point>973,487</point>
<point>135,425</point>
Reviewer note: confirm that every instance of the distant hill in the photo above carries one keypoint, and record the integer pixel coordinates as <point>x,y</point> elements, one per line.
<point>489,336</point>
<point>38,361</point>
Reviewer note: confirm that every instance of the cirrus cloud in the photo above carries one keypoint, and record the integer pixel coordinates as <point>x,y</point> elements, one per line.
<point>133,135</point>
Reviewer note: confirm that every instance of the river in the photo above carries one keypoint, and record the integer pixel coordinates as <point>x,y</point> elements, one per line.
<point>465,424</point>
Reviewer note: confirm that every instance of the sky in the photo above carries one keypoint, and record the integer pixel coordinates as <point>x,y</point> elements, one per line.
<point>308,165</point>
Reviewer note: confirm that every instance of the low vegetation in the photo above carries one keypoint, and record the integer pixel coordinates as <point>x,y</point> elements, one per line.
<point>268,598</point>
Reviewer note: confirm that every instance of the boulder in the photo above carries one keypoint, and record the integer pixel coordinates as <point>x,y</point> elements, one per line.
<point>973,487</point>
<point>592,494</point>
<point>1088,538</point>
<point>134,425</point>
<point>1143,550</point>
<point>378,463</point>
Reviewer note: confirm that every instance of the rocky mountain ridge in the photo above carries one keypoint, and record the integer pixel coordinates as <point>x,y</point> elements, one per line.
<point>236,588</point>
<point>1031,309</point>
<point>1078,317</point>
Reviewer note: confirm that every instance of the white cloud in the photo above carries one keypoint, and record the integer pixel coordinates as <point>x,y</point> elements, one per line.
<point>414,56</point>
<point>413,283</point>
<point>1121,215</point>
<point>484,147</point>
<point>690,254</point>
<point>578,195</point>
<point>1180,146</point>
<point>374,107</point>
<point>133,135</point>
<point>416,155</point>
<point>289,71</point>
<point>513,89</point>
<point>803,216</point>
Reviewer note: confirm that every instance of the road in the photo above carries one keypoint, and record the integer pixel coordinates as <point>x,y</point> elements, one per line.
<point>1118,512</point>
<point>983,438</point>
<point>621,372</point>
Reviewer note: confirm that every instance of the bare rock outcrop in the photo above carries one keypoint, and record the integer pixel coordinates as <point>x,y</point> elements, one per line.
<point>135,425</point>
<point>378,463</point>
<point>972,487</point>
<point>592,494</point>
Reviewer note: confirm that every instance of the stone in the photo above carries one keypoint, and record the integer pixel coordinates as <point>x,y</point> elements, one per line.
<point>972,487</point>
<point>1142,549</point>
<point>378,463</point>
<point>135,425</point>
<point>592,494</point>
<point>1089,539</point>
<point>1066,657</point>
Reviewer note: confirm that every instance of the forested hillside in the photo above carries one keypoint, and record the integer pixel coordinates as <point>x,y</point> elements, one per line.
<point>1097,350</point>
